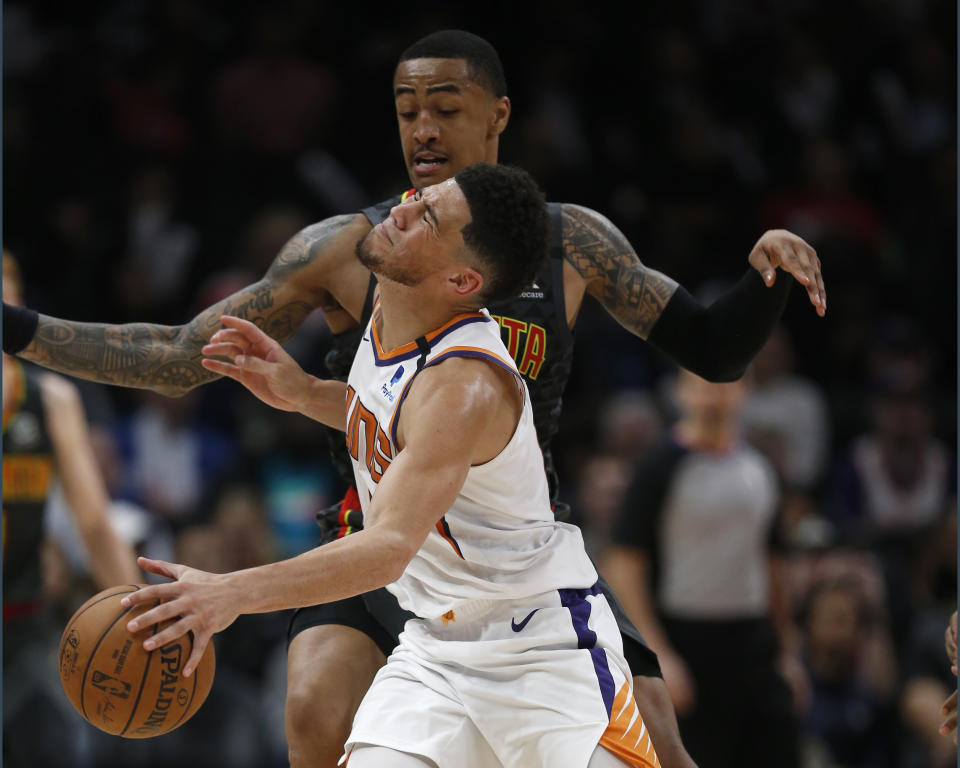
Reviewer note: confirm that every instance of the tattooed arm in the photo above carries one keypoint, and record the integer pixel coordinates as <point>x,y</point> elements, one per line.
<point>715,342</point>
<point>602,262</point>
<point>315,268</point>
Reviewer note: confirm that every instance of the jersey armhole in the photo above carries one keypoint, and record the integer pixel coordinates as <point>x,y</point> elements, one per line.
<point>556,270</point>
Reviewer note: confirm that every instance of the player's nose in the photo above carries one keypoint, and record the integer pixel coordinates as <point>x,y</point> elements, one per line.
<point>426,129</point>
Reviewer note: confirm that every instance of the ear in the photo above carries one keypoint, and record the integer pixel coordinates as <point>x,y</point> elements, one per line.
<point>501,116</point>
<point>466,282</point>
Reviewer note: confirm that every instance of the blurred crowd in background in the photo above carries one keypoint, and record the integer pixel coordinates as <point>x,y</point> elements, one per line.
<point>157,155</point>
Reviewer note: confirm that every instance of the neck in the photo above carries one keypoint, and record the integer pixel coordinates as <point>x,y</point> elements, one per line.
<point>711,435</point>
<point>406,314</point>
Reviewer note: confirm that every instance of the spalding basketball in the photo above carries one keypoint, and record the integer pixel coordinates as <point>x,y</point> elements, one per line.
<point>118,686</point>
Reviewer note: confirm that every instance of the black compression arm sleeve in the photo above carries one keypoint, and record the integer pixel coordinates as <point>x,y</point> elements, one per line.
<point>19,325</point>
<point>718,342</point>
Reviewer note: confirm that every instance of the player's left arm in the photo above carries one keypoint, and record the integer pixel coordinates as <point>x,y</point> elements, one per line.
<point>715,342</point>
<point>416,490</point>
<point>112,560</point>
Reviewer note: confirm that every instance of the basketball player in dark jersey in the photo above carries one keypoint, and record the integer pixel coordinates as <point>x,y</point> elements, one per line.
<point>451,105</point>
<point>44,437</point>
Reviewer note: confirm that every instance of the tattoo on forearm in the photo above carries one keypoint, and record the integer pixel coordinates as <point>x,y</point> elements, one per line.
<point>632,293</point>
<point>167,358</point>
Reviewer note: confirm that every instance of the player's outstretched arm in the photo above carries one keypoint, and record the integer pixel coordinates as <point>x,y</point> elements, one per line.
<point>167,359</point>
<point>415,491</point>
<point>112,560</point>
<point>715,342</point>
<point>262,366</point>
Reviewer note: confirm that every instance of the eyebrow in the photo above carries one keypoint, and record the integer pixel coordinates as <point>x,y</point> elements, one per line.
<point>431,89</point>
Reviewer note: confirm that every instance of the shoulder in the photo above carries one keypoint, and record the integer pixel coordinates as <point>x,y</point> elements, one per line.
<point>592,243</point>
<point>463,386</point>
<point>583,226</point>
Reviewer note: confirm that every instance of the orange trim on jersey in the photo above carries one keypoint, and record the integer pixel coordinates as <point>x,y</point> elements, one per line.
<point>458,352</point>
<point>481,352</point>
<point>627,735</point>
<point>19,386</point>
<point>411,347</point>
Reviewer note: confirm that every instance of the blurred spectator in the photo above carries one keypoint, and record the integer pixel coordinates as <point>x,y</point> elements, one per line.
<point>916,95</point>
<point>697,564</point>
<point>825,203</point>
<point>849,717</point>
<point>160,246</point>
<point>149,534</point>
<point>897,480</point>
<point>274,99</point>
<point>45,438</point>
<point>147,102</point>
<point>601,485</point>
<point>630,422</point>
<point>786,416</point>
<point>928,681</point>
<point>171,456</point>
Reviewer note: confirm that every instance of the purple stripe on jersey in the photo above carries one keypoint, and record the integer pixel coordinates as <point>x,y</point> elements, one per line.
<point>576,601</point>
<point>449,536</point>
<point>439,359</point>
<point>382,361</point>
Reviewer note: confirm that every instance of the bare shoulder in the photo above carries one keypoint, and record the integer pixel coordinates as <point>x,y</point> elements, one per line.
<point>590,239</point>
<point>610,270</point>
<point>469,402</point>
<point>466,382</point>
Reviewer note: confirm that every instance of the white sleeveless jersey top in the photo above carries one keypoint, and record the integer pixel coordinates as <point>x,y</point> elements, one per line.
<point>499,539</point>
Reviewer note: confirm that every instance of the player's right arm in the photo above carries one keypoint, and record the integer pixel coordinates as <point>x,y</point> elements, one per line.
<point>315,268</point>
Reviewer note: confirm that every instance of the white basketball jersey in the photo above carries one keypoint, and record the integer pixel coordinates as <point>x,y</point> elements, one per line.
<point>499,539</point>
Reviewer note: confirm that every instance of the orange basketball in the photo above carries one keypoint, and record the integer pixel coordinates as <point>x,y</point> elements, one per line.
<point>118,686</point>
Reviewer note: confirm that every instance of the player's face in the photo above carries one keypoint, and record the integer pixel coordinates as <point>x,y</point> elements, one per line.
<point>420,237</point>
<point>447,121</point>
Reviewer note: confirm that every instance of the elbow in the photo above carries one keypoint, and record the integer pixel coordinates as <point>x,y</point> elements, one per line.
<point>174,390</point>
<point>398,549</point>
<point>723,373</point>
<point>718,370</point>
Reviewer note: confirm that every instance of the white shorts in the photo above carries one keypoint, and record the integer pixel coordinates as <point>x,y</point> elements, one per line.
<point>532,682</point>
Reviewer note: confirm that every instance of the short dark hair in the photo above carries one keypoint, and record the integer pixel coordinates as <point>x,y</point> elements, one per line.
<point>482,58</point>
<point>510,227</point>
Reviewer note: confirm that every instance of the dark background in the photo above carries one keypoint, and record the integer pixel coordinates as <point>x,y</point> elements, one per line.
<point>156,155</point>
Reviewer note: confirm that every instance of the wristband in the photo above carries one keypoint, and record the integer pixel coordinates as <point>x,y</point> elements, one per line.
<point>19,326</point>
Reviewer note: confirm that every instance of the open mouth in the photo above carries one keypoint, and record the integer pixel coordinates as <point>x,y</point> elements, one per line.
<point>425,164</point>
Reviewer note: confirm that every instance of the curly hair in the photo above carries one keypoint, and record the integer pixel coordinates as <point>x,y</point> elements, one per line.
<point>509,231</point>
<point>482,58</point>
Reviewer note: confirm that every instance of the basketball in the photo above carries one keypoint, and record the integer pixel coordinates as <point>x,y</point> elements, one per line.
<point>118,686</point>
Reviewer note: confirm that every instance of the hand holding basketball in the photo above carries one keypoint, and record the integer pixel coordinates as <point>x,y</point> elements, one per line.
<point>197,602</point>
<point>118,686</point>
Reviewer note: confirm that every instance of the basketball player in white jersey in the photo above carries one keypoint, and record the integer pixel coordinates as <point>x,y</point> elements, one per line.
<point>514,658</point>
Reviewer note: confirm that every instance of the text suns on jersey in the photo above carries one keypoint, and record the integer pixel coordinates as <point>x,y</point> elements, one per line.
<point>377,453</point>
